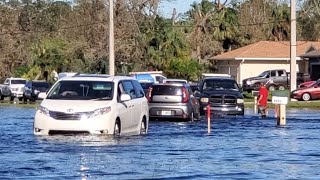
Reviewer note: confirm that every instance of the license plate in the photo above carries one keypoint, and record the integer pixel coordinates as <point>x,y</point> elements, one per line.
<point>166,113</point>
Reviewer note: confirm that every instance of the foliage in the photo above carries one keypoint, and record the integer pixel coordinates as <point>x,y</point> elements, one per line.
<point>40,36</point>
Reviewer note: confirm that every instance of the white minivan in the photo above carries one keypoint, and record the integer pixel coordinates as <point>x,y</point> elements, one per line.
<point>93,104</point>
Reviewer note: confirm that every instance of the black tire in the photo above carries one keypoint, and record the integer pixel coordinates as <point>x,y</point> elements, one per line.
<point>25,100</point>
<point>271,87</point>
<point>21,98</point>
<point>281,87</point>
<point>1,97</point>
<point>143,127</point>
<point>11,98</point>
<point>306,97</point>
<point>117,128</point>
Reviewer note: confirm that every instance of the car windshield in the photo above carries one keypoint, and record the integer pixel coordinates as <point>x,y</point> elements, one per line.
<point>18,81</point>
<point>263,74</point>
<point>82,90</point>
<point>220,84</point>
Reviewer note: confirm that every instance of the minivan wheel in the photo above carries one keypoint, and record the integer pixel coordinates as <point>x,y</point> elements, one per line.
<point>117,128</point>
<point>306,96</point>
<point>143,128</point>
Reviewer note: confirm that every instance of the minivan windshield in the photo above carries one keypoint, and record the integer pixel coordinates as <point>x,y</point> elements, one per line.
<point>82,90</point>
<point>220,84</point>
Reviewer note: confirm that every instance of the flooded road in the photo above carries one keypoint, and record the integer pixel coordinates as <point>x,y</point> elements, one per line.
<point>238,148</point>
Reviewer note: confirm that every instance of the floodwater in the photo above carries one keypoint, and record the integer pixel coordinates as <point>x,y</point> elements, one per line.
<point>237,148</point>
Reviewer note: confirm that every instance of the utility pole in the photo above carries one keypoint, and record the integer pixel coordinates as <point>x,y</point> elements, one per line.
<point>111,39</point>
<point>293,47</point>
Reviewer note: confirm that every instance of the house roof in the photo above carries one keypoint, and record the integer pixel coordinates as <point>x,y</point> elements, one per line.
<point>311,54</point>
<point>276,50</point>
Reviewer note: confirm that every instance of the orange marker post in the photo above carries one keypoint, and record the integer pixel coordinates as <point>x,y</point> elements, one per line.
<point>209,118</point>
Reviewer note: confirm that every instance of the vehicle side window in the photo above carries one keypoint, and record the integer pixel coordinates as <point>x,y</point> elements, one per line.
<point>138,88</point>
<point>281,73</point>
<point>129,89</point>
<point>120,91</point>
<point>268,75</point>
<point>6,81</point>
<point>273,73</point>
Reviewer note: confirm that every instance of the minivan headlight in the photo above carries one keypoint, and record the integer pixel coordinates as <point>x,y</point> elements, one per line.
<point>204,100</point>
<point>240,101</point>
<point>100,111</point>
<point>43,110</point>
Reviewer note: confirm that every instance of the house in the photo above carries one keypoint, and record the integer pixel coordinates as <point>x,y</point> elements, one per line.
<point>255,58</point>
<point>313,57</point>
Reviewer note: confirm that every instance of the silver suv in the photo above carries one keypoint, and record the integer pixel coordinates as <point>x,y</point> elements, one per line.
<point>174,101</point>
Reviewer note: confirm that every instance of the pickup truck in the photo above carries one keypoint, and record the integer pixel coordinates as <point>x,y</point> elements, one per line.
<point>273,79</point>
<point>15,87</point>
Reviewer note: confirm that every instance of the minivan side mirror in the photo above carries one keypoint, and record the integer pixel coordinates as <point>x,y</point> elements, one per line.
<point>42,95</point>
<point>125,97</point>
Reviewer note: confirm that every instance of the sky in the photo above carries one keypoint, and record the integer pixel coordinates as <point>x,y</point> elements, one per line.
<point>166,7</point>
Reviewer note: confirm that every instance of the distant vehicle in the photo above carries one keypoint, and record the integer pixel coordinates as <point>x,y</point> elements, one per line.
<point>204,75</point>
<point>307,93</point>
<point>33,88</point>
<point>156,75</point>
<point>275,79</point>
<point>143,78</point>
<point>172,81</point>
<point>16,86</point>
<point>194,86</point>
<point>93,104</point>
<point>223,94</point>
<point>173,101</point>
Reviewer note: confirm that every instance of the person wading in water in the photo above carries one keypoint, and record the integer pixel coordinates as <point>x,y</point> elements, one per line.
<point>263,100</point>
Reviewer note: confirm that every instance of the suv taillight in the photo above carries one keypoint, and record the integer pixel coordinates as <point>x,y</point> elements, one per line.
<point>185,95</point>
<point>149,94</point>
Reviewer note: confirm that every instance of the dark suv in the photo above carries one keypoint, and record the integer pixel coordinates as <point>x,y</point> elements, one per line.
<point>174,101</point>
<point>33,88</point>
<point>223,94</point>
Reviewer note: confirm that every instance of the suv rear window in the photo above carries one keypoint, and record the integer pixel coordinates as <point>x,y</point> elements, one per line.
<point>166,90</point>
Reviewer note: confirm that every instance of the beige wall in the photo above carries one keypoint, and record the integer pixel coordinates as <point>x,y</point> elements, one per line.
<point>250,68</point>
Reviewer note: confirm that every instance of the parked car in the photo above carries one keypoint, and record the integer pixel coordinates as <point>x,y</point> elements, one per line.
<point>172,81</point>
<point>223,94</point>
<point>33,88</point>
<point>306,84</point>
<point>16,86</point>
<point>307,93</point>
<point>173,101</point>
<point>194,86</point>
<point>274,79</point>
<point>156,76</point>
<point>94,104</point>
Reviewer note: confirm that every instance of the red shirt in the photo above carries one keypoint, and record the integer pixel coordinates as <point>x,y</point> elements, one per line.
<point>264,93</point>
